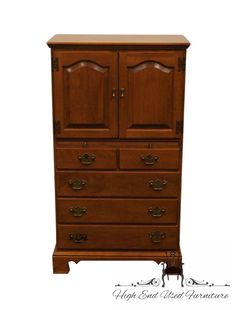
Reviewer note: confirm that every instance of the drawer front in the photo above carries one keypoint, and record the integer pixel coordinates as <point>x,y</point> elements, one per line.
<point>149,159</point>
<point>85,158</point>
<point>117,184</point>
<point>117,211</point>
<point>123,237</point>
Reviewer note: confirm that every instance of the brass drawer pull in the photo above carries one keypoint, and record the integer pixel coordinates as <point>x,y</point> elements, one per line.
<point>77,184</point>
<point>156,212</point>
<point>149,160</point>
<point>77,211</point>
<point>78,238</point>
<point>157,236</point>
<point>87,159</point>
<point>157,185</point>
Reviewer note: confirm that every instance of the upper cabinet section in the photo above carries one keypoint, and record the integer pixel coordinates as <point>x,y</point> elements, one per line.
<point>84,94</point>
<point>118,86</point>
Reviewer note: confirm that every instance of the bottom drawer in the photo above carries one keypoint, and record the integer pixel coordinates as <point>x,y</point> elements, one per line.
<point>125,237</point>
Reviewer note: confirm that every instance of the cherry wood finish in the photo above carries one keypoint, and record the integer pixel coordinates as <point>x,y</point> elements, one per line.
<point>150,105</point>
<point>128,159</point>
<point>117,211</point>
<point>149,159</point>
<point>75,158</point>
<point>124,237</point>
<point>118,144</point>
<point>117,184</point>
<point>61,258</point>
<point>118,128</point>
<point>84,104</point>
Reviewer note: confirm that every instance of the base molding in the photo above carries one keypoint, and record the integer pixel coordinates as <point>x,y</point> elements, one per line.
<point>172,258</point>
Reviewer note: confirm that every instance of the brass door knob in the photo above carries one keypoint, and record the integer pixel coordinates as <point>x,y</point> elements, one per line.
<point>122,92</point>
<point>113,92</point>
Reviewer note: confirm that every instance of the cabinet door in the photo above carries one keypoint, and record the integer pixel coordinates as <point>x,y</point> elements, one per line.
<point>85,103</point>
<point>151,94</point>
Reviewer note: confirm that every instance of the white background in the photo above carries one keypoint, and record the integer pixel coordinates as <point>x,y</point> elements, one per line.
<point>26,175</point>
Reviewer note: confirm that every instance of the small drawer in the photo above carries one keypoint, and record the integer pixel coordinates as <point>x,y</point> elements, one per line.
<point>117,211</point>
<point>148,159</point>
<point>119,237</point>
<point>85,158</point>
<point>117,184</point>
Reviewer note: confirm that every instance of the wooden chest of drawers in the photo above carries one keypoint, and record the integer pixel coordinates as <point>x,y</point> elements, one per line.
<point>118,132</point>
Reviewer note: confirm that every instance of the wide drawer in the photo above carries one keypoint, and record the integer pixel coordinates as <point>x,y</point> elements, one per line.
<point>165,159</point>
<point>146,211</point>
<point>106,237</point>
<point>84,159</point>
<point>117,184</point>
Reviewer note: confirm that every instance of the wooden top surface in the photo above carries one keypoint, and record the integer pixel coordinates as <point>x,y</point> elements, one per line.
<point>152,40</point>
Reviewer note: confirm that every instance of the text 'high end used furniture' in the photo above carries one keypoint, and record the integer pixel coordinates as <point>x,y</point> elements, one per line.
<point>118,130</point>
